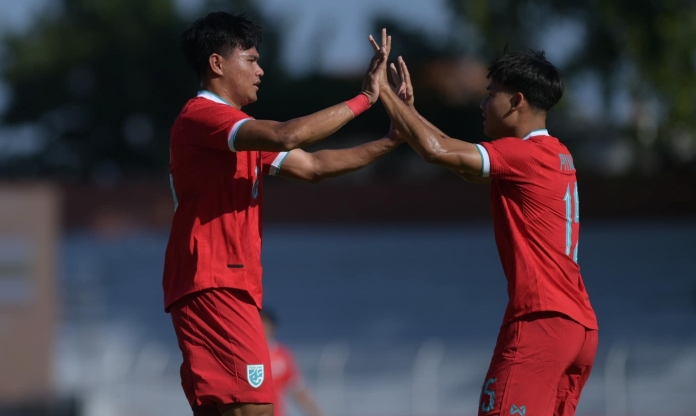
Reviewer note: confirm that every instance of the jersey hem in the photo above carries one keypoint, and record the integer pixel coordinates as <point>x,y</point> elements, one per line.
<point>233,133</point>
<point>591,325</point>
<point>277,163</point>
<point>232,398</point>
<point>200,288</point>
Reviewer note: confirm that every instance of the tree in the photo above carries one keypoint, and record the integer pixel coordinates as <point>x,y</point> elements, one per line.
<point>647,47</point>
<point>103,81</point>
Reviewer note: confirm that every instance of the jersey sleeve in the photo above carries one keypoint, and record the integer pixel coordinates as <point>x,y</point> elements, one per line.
<point>509,158</point>
<point>271,162</point>
<point>217,126</point>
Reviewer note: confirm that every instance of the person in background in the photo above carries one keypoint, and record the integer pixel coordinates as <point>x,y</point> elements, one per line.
<point>287,377</point>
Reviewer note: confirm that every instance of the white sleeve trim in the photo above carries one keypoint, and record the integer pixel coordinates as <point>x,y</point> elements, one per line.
<point>485,161</point>
<point>233,133</point>
<point>275,166</point>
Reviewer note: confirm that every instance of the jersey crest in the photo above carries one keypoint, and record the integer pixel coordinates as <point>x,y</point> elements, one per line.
<point>255,375</point>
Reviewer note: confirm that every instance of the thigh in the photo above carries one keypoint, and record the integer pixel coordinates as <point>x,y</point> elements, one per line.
<point>573,381</point>
<point>246,409</point>
<point>529,360</point>
<point>225,354</point>
<point>239,409</point>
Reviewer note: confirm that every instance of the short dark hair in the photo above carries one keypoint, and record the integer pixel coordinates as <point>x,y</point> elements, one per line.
<point>218,32</point>
<point>531,74</point>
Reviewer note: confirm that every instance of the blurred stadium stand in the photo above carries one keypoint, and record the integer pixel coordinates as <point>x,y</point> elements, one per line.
<point>386,320</point>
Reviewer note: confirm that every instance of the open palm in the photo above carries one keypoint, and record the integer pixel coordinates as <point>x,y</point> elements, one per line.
<point>400,82</point>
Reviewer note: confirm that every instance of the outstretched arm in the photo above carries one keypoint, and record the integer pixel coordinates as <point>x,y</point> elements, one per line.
<point>304,131</point>
<point>429,141</point>
<point>266,135</point>
<point>317,166</point>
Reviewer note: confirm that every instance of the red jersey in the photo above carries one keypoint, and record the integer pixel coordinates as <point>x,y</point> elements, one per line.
<point>534,200</point>
<point>215,240</point>
<point>285,375</point>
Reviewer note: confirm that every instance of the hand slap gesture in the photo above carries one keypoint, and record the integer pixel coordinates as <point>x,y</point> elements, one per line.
<point>400,82</point>
<point>376,76</point>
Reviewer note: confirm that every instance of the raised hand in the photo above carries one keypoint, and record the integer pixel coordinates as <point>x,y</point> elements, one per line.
<point>376,76</point>
<point>400,82</point>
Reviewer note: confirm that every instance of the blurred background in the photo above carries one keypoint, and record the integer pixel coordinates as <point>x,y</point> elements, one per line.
<point>386,282</point>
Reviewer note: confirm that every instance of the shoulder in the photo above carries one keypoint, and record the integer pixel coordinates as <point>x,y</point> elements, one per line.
<point>205,105</point>
<point>508,144</point>
<point>201,109</point>
<point>508,140</point>
<point>549,145</point>
<point>546,140</point>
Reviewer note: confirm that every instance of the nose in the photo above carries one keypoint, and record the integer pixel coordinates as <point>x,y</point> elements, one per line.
<point>482,106</point>
<point>259,71</point>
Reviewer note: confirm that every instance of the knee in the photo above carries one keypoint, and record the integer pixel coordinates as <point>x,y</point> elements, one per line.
<point>260,410</point>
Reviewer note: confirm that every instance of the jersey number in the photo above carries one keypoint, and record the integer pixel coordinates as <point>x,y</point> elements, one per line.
<point>487,407</point>
<point>572,215</point>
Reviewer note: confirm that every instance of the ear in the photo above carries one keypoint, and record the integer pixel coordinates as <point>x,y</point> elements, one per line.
<point>215,63</point>
<point>516,101</point>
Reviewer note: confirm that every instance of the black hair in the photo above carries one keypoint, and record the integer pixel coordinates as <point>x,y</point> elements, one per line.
<point>220,33</point>
<point>269,315</point>
<point>531,74</point>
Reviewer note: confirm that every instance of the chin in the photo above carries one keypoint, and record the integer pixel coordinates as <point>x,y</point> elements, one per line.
<point>251,99</point>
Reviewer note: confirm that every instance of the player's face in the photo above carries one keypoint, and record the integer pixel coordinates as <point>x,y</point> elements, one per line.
<point>498,116</point>
<point>243,75</point>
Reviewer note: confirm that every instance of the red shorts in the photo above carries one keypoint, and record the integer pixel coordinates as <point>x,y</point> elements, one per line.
<point>224,348</point>
<point>539,367</point>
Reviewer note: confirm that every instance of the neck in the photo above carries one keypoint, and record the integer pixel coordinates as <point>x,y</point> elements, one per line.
<point>219,89</point>
<point>523,129</point>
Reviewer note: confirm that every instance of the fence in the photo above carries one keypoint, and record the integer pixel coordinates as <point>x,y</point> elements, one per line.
<point>118,353</point>
<point>115,372</point>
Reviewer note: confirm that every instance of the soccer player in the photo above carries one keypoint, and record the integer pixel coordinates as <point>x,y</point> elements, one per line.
<point>548,339</point>
<point>287,377</point>
<point>212,271</point>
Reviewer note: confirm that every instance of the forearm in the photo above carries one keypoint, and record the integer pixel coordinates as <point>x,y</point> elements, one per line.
<point>274,136</point>
<point>430,143</point>
<point>423,139</point>
<point>428,123</point>
<point>332,163</point>
<point>307,130</point>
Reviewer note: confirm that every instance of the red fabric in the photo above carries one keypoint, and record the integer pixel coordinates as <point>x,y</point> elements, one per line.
<point>540,366</point>
<point>286,375</point>
<point>215,240</point>
<point>532,187</point>
<point>359,104</point>
<point>220,334</point>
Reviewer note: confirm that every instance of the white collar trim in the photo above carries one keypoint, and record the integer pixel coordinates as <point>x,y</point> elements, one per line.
<point>212,97</point>
<point>542,132</point>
